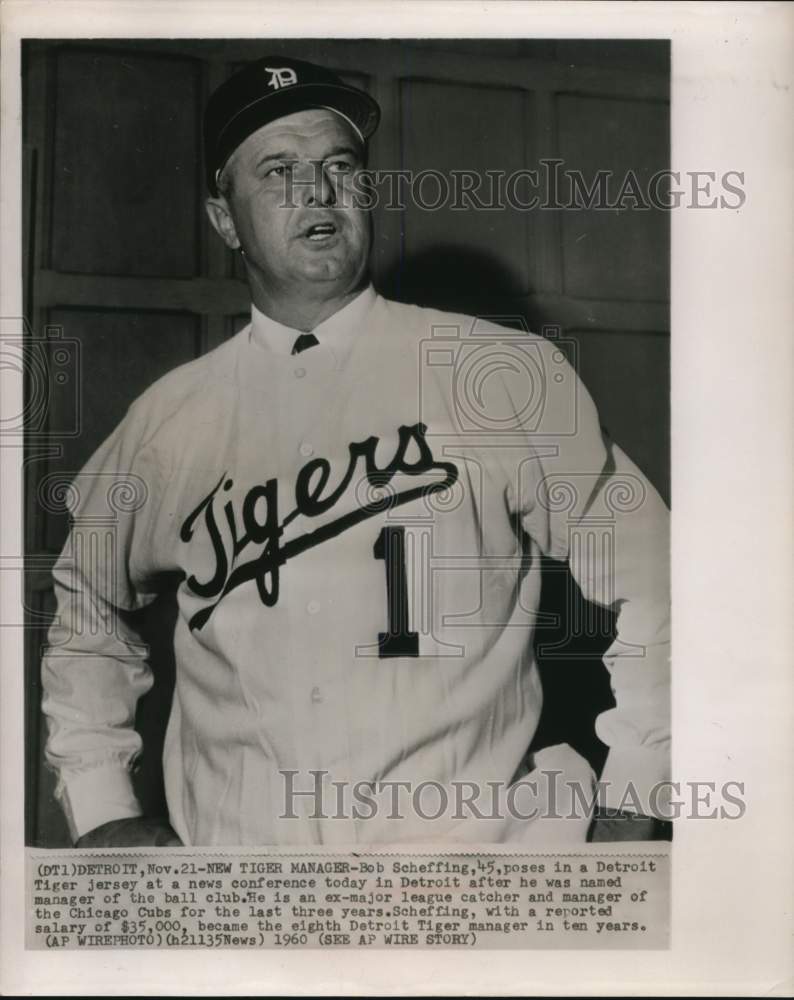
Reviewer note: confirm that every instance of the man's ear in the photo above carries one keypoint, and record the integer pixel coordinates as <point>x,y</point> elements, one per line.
<point>222,221</point>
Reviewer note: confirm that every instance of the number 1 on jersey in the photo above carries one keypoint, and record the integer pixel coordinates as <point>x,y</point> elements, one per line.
<point>399,640</point>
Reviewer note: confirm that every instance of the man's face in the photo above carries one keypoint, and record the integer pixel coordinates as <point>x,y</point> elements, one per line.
<point>289,206</point>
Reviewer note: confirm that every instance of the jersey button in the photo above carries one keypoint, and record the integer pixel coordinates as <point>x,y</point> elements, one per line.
<point>306,449</point>
<point>300,372</point>
<point>313,607</point>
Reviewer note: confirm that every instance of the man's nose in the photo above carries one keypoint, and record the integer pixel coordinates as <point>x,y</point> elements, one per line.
<point>316,186</point>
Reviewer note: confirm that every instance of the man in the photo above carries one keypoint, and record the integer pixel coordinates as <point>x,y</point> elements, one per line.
<point>359,566</point>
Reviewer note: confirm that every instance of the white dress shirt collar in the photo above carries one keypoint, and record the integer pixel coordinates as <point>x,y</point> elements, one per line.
<point>337,333</point>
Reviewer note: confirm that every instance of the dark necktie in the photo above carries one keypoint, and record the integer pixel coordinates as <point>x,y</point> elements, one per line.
<point>304,342</point>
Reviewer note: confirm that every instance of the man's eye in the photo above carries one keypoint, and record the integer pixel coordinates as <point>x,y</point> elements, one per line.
<point>279,170</point>
<point>340,167</point>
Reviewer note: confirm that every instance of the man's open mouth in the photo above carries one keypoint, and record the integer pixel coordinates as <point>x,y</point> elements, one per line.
<point>320,231</point>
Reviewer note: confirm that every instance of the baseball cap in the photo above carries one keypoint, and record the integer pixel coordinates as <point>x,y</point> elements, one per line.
<point>271,88</point>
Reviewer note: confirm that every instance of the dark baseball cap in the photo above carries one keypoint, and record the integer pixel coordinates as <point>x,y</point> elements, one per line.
<point>271,88</point>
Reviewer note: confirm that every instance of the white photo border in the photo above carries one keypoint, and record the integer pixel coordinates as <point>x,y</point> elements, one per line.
<point>732,364</point>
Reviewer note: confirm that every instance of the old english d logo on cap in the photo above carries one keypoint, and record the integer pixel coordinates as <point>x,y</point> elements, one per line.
<point>271,88</point>
<point>281,77</point>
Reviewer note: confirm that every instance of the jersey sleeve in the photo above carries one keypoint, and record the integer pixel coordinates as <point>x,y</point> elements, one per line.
<point>94,667</point>
<point>583,500</point>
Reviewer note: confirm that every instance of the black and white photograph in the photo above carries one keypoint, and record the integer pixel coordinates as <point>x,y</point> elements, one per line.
<point>346,495</point>
<point>290,577</point>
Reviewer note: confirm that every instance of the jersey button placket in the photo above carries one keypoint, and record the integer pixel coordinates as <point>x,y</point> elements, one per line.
<point>325,740</point>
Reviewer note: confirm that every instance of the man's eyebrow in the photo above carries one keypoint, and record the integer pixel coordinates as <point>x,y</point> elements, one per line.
<point>291,156</point>
<point>283,155</point>
<point>339,150</point>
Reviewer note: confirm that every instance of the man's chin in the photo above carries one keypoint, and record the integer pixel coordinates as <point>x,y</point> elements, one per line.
<point>329,270</point>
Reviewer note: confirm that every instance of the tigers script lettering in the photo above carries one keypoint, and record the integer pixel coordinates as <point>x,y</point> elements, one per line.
<point>257,523</point>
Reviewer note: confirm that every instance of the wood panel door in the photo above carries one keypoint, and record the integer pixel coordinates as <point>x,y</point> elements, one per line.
<point>124,279</point>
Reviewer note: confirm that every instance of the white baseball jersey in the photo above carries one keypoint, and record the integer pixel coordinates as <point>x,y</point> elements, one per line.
<point>357,531</point>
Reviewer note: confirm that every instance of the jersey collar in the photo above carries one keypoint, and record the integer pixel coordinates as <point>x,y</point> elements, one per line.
<point>337,333</point>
